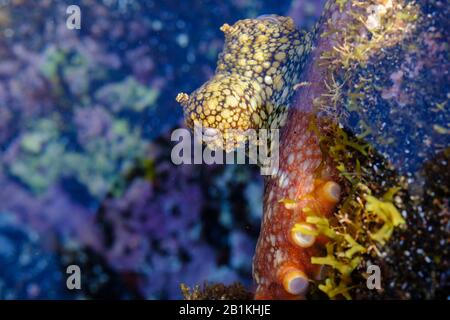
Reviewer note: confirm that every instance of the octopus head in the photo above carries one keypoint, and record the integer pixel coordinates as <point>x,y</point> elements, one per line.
<point>225,108</point>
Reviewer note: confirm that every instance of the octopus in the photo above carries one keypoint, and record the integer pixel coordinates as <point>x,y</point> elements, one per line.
<point>255,80</point>
<point>334,201</point>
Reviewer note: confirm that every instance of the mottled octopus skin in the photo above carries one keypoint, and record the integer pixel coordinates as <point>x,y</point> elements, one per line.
<point>240,96</point>
<point>302,176</point>
<point>252,85</point>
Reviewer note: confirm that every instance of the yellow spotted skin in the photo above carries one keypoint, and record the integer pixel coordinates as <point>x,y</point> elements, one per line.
<point>254,78</point>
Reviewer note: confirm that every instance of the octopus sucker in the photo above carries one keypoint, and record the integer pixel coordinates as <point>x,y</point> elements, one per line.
<point>303,234</point>
<point>294,281</point>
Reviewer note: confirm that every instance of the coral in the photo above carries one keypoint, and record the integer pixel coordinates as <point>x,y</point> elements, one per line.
<point>42,156</point>
<point>127,94</point>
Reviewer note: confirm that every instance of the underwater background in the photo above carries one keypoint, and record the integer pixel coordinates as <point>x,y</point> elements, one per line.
<point>85,171</point>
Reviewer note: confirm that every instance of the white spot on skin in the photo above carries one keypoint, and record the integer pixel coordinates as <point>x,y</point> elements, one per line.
<point>307,164</point>
<point>278,257</point>
<point>301,142</point>
<point>313,164</point>
<point>269,213</point>
<point>270,197</point>
<point>290,159</point>
<point>272,240</point>
<point>308,153</point>
<point>283,176</point>
<point>285,183</point>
